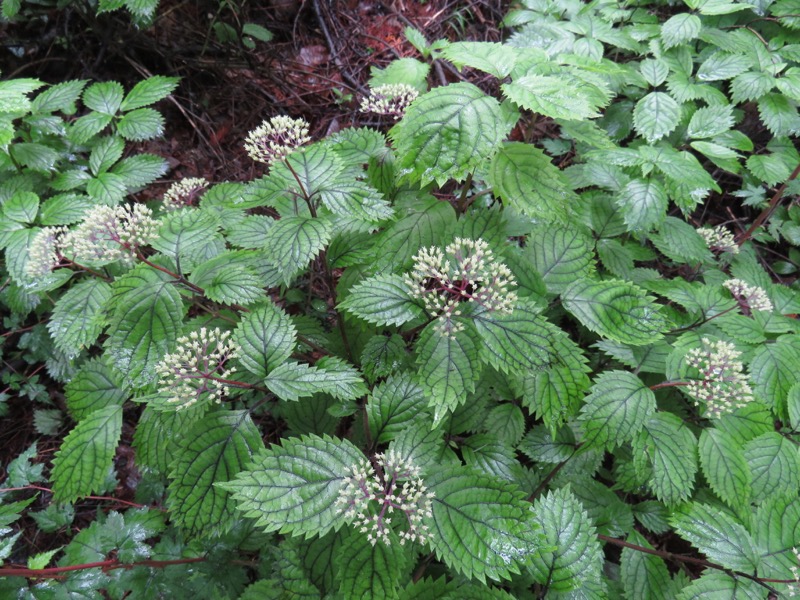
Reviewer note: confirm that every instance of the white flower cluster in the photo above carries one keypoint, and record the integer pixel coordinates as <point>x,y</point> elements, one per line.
<point>111,233</point>
<point>723,386</point>
<point>44,252</point>
<point>466,272</point>
<point>794,588</point>
<point>274,139</point>
<point>749,297</point>
<point>368,498</point>
<point>183,193</point>
<point>198,368</point>
<point>389,99</point>
<point>719,239</point>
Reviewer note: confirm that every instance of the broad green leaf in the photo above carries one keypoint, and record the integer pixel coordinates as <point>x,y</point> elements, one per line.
<point>725,467</point>
<point>572,552</point>
<point>403,70</point>
<point>213,449</point>
<point>383,356</point>
<point>292,381</point>
<point>141,124</point>
<point>486,454</point>
<point>554,394</point>
<point>357,200</point>
<point>481,526</point>
<point>149,91</point>
<point>553,96</point>
<point>616,409</point>
<point>84,128</point>
<point>644,204</point>
<point>615,309</point>
<point>185,236</point>
<point>294,241</point>
<point>293,488</point>
<point>383,300</point>
<point>717,535</point>
<point>680,241</point>
<point>105,154</point>
<point>79,316</point>
<point>525,178</point>
<point>774,370</point>
<point>561,254</point>
<point>448,368</point>
<point>776,529</point>
<point>107,188</point>
<point>64,209</point>
<point>751,86</point>
<point>158,435</point>
<point>723,65</point>
<point>656,115</point>
<point>95,386</point>
<point>313,168</point>
<point>710,121</point>
<point>654,71</point>
<point>507,422</point>
<point>680,28</point>
<point>144,324</point>
<point>104,98</point>
<point>266,338</point>
<point>774,464</point>
<point>716,585</point>
<point>22,207</point>
<point>449,132</point>
<point>262,34</point>
<point>644,576</point>
<point>668,447</point>
<point>38,157</point>
<point>367,570</point>
<point>140,170</point>
<point>769,168</point>
<point>493,58</point>
<point>60,97</point>
<point>82,464</point>
<point>779,114</point>
<point>394,405</point>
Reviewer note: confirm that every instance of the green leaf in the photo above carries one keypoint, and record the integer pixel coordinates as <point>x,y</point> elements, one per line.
<point>395,405</point>
<point>669,448</point>
<point>293,488</point>
<point>356,200</point>
<point>717,535</point>
<point>616,409</point>
<point>266,338</point>
<point>107,188</point>
<point>82,464</point>
<point>140,170</point>
<point>185,236</point>
<point>774,464</point>
<point>449,132</point>
<point>234,285</point>
<point>79,316</point>
<point>725,467</point>
<point>145,323</point>
<point>774,370</point>
<point>158,434</point>
<point>383,300</point>
<point>554,96</point>
<point>573,554</point>
<point>448,368</point>
<point>366,570</point>
<point>723,65</point>
<point>262,34</point>
<point>776,529</point>
<point>294,241</point>
<point>59,97</point>
<point>149,91</point>
<point>561,254</point>
<point>383,356</point>
<point>751,86</point>
<point>714,585</point>
<point>779,114</point>
<point>711,121</point>
<point>481,527</point>
<point>292,381</point>
<point>87,126</point>
<point>22,207</point>
<point>555,394</point>
<point>644,204</point>
<point>141,124</point>
<point>493,58</point>
<point>64,209</point>
<point>656,115</point>
<point>38,157</point>
<point>107,151</point>
<point>403,70</point>
<point>679,29</point>
<point>769,168</point>
<point>213,449</point>
<point>615,309</point>
<point>105,98</point>
<point>95,386</point>
<point>525,178</point>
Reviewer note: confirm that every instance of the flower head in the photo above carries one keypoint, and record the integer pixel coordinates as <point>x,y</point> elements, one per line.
<point>749,297</point>
<point>722,386</point>
<point>274,139</point>
<point>198,368</point>
<point>44,252</point>
<point>184,192</point>
<point>389,99</point>
<point>368,497</point>
<point>719,239</point>
<point>466,272</point>
<point>111,233</point>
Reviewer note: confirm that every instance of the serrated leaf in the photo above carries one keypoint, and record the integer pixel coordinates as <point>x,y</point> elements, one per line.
<point>507,422</point>
<point>394,405</point>
<point>60,97</point>
<point>774,464</point>
<point>493,58</point>
<point>383,300</point>
<point>779,114</point>
<point>185,235</point>
<point>680,241</point>
<point>554,394</point>
<point>576,554</point>
<point>294,241</point>
<point>356,199</point>
<point>776,530</point>
<point>553,96</point>
<point>616,409</point>
<point>383,356</point>
<point>140,170</point>
<point>644,576</point>
<point>236,285</point>
<point>38,157</point>
<point>213,450</point>
<point>105,97</point>
<point>95,386</point>
<point>723,65</point>
<point>448,132</point>
<point>293,488</point>
<point>644,204</point>
<point>525,178</point>
<point>670,449</point>
<point>716,535</point>
<point>292,381</point>
<point>144,325</point>
<point>22,207</point>
<point>140,124</point>
<point>107,188</point>
<point>158,434</point>
<point>107,151</point>
<point>725,467</point>
<point>79,316</point>
<point>769,168</point>
<point>149,91</point>
<point>560,254</point>
<point>448,368</point>
<point>64,209</point>
<point>266,338</point>
<point>367,570</point>
<point>656,115</point>
<point>81,465</point>
<point>680,28</point>
<point>714,585</point>
<point>774,370</point>
<point>85,127</point>
<point>615,309</point>
<point>710,121</point>
<point>481,526</point>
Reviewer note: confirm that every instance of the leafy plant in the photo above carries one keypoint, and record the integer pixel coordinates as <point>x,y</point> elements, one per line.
<point>432,362</point>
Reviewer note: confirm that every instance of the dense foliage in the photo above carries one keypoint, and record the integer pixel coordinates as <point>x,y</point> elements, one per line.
<point>442,358</point>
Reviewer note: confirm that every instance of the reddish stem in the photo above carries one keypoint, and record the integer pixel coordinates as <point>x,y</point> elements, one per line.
<point>106,565</point>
